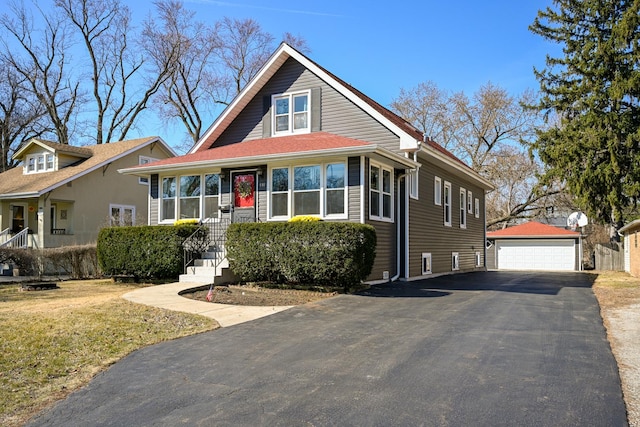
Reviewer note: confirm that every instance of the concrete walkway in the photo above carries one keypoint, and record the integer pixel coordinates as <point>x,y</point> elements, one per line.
<point>167,296</point>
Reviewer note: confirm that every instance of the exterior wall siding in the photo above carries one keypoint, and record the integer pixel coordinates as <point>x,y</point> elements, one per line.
<point>338,115</point>
<point>427,232</point>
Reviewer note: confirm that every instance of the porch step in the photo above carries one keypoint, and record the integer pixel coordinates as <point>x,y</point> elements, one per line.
<point>204,271</point>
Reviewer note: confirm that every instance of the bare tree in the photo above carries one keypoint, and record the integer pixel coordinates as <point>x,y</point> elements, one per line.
<point>193,87</point>
<point>487,132</point>
<point>245,48</point>
<point>20,115</point>
<point>41,59</point>
<point>120,87</point>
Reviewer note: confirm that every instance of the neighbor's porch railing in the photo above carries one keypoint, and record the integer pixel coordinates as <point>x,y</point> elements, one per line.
<point>4,236</point>
<point>19,240</point>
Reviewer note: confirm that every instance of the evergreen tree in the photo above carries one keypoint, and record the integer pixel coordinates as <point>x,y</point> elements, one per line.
<point>594,93</point>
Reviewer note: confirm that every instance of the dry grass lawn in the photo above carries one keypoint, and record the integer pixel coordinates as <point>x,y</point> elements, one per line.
<point>618,294</point>
<point>53,342</point>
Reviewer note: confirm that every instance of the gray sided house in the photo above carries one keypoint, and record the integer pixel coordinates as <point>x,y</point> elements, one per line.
<point>299,141</point>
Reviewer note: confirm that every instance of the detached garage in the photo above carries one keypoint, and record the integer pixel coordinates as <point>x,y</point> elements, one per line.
<point>534,246</point>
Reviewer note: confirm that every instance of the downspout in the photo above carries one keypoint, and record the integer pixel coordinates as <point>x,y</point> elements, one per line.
<point>362,193</point>
<point>394,278</point>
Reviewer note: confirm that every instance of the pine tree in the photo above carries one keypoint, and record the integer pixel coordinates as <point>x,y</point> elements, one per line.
<point>594,93</point>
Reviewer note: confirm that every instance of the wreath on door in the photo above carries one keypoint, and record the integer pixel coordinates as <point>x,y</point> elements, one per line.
<point>243,188</point>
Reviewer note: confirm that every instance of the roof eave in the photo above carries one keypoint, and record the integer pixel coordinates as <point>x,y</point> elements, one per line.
<point>542,236</point>
<point>483,182</point>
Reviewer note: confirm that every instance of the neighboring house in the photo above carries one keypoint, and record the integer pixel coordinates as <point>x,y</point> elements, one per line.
<point>299,141</point>
<point>62,195</point>
<point>534,246</point>
<point>631,252</point>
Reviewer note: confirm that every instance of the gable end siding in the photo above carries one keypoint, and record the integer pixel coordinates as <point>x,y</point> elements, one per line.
<point>330,111</point>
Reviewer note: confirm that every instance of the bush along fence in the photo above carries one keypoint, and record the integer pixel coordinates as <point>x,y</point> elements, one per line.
<point>77,262</point>
<point>143,252</point>
<point>333,254</point>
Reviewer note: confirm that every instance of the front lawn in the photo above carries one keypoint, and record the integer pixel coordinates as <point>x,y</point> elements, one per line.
<point>53,342</point>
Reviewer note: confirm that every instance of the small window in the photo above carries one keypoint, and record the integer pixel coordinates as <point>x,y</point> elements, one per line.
<point>470,202</point>
<point>291,113</point>
<point>437,191</point>
<point>426,263</point>
<point>413,183</point>
<point>40,166</point>
<point>306,190</point>
<point>189,206</point>
<point>335,174</point>
<point>447,204</point>
<point>121,215</point>
<point>455,261</point>
<point>477,208</point>
<point>463,208</point>
<point>49,161</point>
<point>143,160</point>
<point>478,259</point>
<point>380,193</point>
<point>211,195</point>
<point>279,192</point>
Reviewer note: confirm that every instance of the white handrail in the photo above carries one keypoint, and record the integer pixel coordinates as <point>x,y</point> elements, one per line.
<point>4,235</point>
<point>20,240</point>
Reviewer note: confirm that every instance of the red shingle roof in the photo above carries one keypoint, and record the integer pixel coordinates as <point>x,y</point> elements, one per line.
<point>532,229</point>
<point>302,143</point>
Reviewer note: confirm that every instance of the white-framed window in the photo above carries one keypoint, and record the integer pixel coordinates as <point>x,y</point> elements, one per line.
<point>279,193</point>
<point>190,191</point>
<point>470,202</point>
<point>122,215</point>
<point>306,190</point>
<point>211,195</point>
<point>36,163</point>
<point>478,259</point>
<point>455,261</point>
<point>447,203</point>
<point>426,263</point>
<point>335,179</point>
<point>168,206</point>
<point>380,192</point>
<point>291,113</point>
<point>315,189</point>
<point>143,160</point>
<point>463,208</point>
<point>413,183</point>
<point>477,208</point>
<point>437,191</point>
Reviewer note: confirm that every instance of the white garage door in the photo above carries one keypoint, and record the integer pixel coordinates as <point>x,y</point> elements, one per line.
<point>536,254</point>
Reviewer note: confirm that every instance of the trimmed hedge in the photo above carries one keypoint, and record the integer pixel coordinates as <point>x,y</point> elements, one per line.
<point>318,253</point>
<point>144,252</point>
<point>78,262</point>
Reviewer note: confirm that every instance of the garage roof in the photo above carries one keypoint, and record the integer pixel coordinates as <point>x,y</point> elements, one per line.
<point>533,230</point>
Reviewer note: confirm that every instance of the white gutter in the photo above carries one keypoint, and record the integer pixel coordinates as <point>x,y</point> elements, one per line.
<point>394,278</point>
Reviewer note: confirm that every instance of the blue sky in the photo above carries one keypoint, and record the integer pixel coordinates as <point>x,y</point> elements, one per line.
<point>381,47</point>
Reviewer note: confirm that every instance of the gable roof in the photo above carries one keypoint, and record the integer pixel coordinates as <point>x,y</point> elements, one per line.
<point>410,138</point>
<point>54,147</point>
<point>532,229</point>
<point>15,184</point>
<point>278,148</point>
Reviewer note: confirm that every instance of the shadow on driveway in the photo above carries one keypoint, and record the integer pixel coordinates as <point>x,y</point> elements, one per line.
<point>530,282</point>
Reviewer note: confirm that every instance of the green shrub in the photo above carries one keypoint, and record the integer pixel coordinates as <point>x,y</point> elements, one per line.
<point>144,252</point>
<point>320,253</point>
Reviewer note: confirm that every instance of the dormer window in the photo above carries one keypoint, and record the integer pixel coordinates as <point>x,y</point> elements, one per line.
<point>36,163</point>
<point>291,113</point>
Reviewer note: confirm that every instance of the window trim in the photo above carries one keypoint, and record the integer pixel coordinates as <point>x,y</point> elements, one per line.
<point>382,193</point>
<point>463,208</point>
<point>446,203</point>
<point>291,113</point>
<point>427,267</point>
<point>323,190</point>
<point>32,163</point>
<point>455,261</point>
<point>470,202</point>
<point>122,208</point>
<point>477,208</point>
<point>478,259</point>
<point>437,191</point>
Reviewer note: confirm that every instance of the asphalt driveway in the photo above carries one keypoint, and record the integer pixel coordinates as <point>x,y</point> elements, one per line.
<point>481,349</point>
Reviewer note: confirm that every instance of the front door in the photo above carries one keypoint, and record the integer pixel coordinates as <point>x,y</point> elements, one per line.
<point>244,196</point>
<point>18,218</point>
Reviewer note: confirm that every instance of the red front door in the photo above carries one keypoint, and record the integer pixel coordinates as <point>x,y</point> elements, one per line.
<point>244,197</point>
